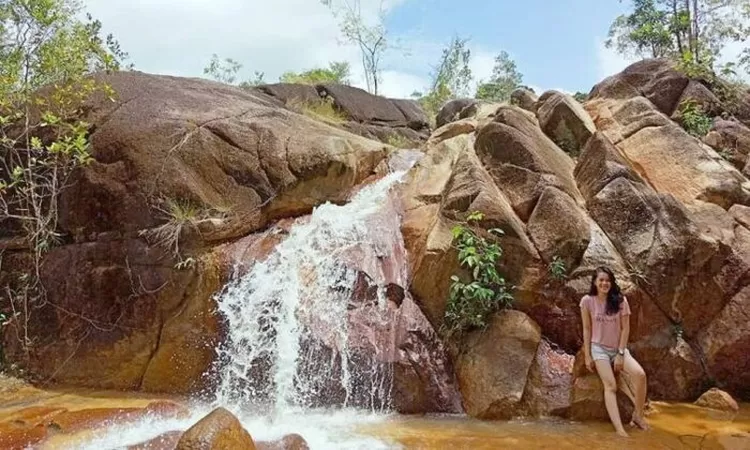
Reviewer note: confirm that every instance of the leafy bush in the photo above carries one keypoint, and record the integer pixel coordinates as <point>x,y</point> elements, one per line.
<point>471,303</point>
<point>399,141</point>
<point>693,119</point>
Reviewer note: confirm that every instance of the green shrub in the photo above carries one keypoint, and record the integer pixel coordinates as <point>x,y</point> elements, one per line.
<point>471,303</point>
<point>323,110</point>
<point>399,141</point>
<point>693,119</point>
<point>557,269</point>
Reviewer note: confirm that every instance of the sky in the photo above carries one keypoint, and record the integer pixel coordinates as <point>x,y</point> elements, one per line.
<point>557,44</point>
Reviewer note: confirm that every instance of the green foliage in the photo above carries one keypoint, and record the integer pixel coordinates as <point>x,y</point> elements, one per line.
<point>43,140</point>
<point>337,72</point>
<point>580,97</point>
<point>323,110</point>
<point>471,302</point>
<point>557,269</point>
<point>450,78</point>
<point>505,79</point>
<point>693,119</point>
<point>399,141</point>
<point>225,71</point>
<point>694,32</point>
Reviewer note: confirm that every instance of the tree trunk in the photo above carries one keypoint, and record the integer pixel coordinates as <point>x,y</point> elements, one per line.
<point>696,33</point>
<point>676,30</point>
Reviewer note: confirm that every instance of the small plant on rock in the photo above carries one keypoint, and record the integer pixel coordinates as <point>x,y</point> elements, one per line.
<point>557,269</point>
<point>693,119</point>
<point>471,302</point>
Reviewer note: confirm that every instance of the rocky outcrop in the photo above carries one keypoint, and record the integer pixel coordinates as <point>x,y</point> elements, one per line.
<point>218,430</point>
<point>451,111</point>
<point>394,121</point>
<point>550,382</point>
<point>524,99</point>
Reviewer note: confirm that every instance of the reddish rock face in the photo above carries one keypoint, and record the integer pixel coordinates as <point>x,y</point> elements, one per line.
<point>549,385</point>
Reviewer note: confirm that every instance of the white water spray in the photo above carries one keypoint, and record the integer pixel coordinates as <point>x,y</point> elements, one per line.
<point>289,345</point>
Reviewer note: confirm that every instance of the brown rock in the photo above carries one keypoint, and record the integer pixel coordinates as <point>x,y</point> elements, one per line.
<point>697,92</point>
<point>165,441</point>
<point>549,384</point>
<point>494,364</point>
<point>559,228</point>
<point>670,159</point>
<point>656,79</point>
<point>218,430</point>
<point>288,442</point>
<point>129,317</point>
<point>451,130</point>
<point>726,346</point>
<point>415,116</point>
<point>522,160</point>
<point>565,121</point>
<point>361,106</point>
<point>524,98</point>
<point>732,140</point>
<point>717,399</point>
<point>587,401</point>
<point>216,146</point>
<point>451,111</point>
<point>291,93</point>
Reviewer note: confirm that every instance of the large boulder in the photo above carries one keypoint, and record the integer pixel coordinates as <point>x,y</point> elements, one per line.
<point>524,98</point>
<point>564,120</point>
<point>717,399</point>
<point>731,139</point>
<point>494,364</point>
<point>658,80</point>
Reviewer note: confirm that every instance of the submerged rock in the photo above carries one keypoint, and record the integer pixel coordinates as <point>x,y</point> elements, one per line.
<point>717,399</point>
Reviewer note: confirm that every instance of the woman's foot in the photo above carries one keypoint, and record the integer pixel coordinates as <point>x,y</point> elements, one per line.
<point>623,433</point>
<point>639,422</point>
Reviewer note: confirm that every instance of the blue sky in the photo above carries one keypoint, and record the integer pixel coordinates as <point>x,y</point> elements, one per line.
<point>557,44</point>
<point>554,42</point>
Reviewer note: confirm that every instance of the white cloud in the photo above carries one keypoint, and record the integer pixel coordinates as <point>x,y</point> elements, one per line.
<point>178,37</point>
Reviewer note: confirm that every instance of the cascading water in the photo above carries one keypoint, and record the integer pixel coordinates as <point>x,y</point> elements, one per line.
<point>289,344</point>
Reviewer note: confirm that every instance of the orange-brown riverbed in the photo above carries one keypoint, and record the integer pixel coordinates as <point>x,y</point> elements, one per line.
<point>60,418</point>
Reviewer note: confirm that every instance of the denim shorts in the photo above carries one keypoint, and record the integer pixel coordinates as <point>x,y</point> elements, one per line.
<point>602,353</point>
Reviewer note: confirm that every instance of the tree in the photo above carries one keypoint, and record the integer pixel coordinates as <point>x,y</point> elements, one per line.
<point>647,32</point>
<point>693,32</point>
<point>43,44</point>
<point>505,79</point>
<point>225,71</point>
<point>370,38</point>
<point>337,72</point>
<point>450,78</point>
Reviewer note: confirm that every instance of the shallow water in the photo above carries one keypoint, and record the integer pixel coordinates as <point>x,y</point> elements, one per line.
<point>84,420</point>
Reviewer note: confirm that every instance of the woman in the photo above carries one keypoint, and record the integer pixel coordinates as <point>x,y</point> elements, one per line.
<point>606,326</point>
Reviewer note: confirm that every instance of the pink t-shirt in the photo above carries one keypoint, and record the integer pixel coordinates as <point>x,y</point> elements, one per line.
<point>605,329</point>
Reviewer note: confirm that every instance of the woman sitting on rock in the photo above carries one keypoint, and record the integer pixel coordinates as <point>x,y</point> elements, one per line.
<point>606,325</point>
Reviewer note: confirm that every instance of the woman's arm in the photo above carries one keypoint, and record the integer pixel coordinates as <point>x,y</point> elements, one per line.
<point>624,335</point>
<point>586,319</point>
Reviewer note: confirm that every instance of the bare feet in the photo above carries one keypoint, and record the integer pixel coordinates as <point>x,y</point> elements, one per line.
<point>639,422</point>
<point>623,433</point>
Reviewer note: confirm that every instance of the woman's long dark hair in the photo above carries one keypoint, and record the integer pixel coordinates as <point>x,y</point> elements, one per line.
<point>614,296</point>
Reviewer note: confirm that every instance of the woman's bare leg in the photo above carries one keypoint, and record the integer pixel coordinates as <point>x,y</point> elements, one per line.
<point>637,376</point>
<point>604,369</point>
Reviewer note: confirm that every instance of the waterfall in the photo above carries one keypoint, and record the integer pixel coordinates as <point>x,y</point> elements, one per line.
<point>290,344</point>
